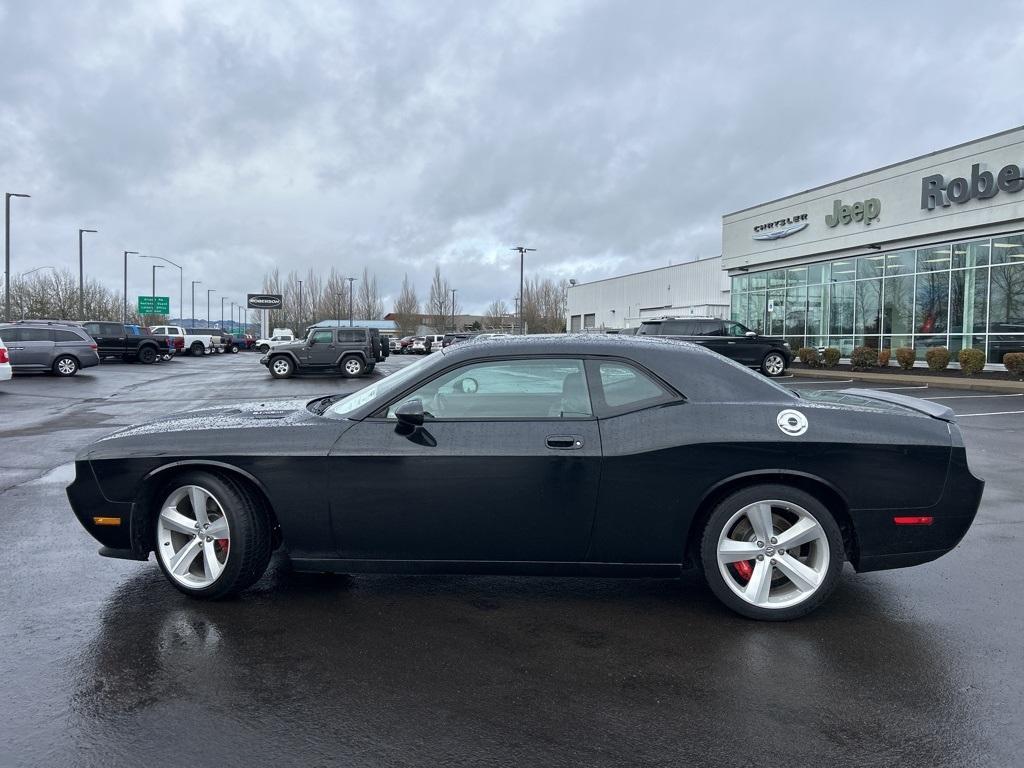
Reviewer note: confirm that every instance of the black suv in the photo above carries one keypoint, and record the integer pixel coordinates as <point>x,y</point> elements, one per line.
<point>349,351</point>
<point>734,340</point>
<point>48,345</point>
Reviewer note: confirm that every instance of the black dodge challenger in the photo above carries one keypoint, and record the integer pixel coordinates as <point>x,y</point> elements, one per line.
<point>603,455</point>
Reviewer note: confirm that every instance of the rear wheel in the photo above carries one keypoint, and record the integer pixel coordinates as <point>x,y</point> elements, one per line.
<point>352,367</point>
<point>281,367</point>
<point>147,355</point>
<point>212,536</point>
<point>264,348</point>
<point>772,552</point>
<point>65,365</point>
<point>196,348</point>
<point>774,364</point>
<point>234,349</point>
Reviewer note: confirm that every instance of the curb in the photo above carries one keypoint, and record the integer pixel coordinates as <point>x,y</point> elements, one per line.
<point>944,382</point>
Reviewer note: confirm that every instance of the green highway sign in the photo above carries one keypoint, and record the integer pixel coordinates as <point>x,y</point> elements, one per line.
<point>154,305</point>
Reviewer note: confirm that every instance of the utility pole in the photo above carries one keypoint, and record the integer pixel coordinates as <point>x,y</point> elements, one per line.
<point>81,275</point>
<point>153,294</point>
<point>299,318</point>
<point>208,292</point>
<point>232,316</point>
<point>193,318</point>
<point>351,280</point>
<point>222,312</point>
<point>124,309</point>
<point>454,328</point>
<point>522,258</point>
<point>7,251</point>
<point>337,307</point>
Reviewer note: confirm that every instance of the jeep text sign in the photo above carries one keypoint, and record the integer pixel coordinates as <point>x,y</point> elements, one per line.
<point>866,211</point>
<point>264,301</point>
<point>936,191</point>
<point>154,305</point>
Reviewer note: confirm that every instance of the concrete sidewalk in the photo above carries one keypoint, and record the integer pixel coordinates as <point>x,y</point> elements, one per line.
<point>947,382</point>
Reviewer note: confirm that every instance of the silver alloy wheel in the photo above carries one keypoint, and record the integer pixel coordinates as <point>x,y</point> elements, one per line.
<point>781,545</point>
<point>281,366</point>
<point>66,366</point>
<point>353,367</point>
<point>193,537</point>
<point>774,365</point>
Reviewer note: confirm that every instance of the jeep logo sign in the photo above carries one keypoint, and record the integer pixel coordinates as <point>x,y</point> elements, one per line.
<point>867,211</point>
<point>936,191</point>
<point>264,301</point>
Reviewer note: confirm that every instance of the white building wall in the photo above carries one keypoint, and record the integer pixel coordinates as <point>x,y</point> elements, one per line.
<point>691,288</point>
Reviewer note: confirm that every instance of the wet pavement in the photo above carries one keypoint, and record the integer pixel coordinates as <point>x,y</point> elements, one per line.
<point>104,664</point>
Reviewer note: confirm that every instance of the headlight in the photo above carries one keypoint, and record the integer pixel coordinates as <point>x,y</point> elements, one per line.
<point>786,344</point>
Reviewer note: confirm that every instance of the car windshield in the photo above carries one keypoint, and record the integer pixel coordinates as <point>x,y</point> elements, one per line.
<point>389,385</point>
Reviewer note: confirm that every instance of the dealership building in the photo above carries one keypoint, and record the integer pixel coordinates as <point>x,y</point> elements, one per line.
<point>927,252</point>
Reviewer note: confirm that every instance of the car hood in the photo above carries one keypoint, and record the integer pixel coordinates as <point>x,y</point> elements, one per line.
<point>222,430</point>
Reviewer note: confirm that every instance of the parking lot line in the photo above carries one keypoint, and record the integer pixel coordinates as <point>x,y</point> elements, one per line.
<point>921,387</point>
<point>993,413</point>
<point>962,397</point>
<point>826,381</point>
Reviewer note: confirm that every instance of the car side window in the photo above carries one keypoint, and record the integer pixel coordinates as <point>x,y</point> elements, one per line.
<point>112,329</point>
<point>506,389</point>
<point>679,328</point>
<point>93,329</point>
<point>649,329</point>
<point>13,334</point>
<point>735,329</point>
<point>710,328</point>
<point>323,337</point>
<point>66,336</point>
<point>36,334</point>
<point>625,388</point>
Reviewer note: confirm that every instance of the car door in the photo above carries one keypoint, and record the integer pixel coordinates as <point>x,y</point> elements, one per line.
<point>517,451</point>
<point>749,350</point>
<point>713,336</point>
<point>321,350</point>
<point>35,350</point>
<point>111,338</point>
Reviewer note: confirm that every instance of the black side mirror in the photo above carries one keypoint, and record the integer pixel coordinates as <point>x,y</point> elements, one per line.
<point>410,413</point>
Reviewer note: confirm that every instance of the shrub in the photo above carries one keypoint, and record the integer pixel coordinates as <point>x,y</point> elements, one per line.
<point>809,356</point>
<point>864,357</point>
<point>937,358</point>
<point>971,361</point>
<point>1014,362</point>
<point>883,357</point>
<point>831,357</point>
<point>905,357</point>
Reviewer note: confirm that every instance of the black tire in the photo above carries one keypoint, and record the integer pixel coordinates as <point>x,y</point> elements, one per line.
<point>352,366</point>
<point>147,355</point>
<point>264,348</point>
<point>197,348</point>
<point>251,536</point>
<point>65,366</point>
<point>728,508</point>
<point>281,367</point>
<point>234,349</point>
<point>774,364</point>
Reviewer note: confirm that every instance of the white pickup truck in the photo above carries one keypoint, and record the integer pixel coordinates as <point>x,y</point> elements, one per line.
<point>195,343</point>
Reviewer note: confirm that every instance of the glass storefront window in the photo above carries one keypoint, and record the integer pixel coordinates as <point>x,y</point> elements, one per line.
<point>895,342</point>
<point>898,312</point>
<point>899,263</point>
<point>968,294</point>
<point>796,276</point>
<point>923,343</point>
<point>933,259</point>
<point>971,254</point>
<point>815,274</point>
<point>1008,250</point>
<point>1006,305</point>
<point>815,311</point>
<point>777,278</point>
<point>776,312</point>
<point>843,270</point>
<point>840,321</point>
<point>738,307</point>
<point>931,307</point>
<point>868,311</point>
<point>758,281</point>
<point>755,311</point>
<point>740,282</point>
<point>870,266</point>
<point>867,341</point>
<point>796,311</point>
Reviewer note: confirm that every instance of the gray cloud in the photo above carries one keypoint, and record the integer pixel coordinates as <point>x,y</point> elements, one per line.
<point>611,135</point>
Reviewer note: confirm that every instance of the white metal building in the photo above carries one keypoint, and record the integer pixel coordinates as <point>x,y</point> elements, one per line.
<point>698,288</point>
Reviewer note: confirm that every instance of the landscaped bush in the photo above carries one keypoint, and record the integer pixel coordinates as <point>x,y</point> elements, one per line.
<point>864,357</point>
<point>883,357</point>
<point>905,357</point>
<point>971,361</point>
<point>1014,362</point>
<point>831,357</point>
<point>809,356</point>
<point>937,358</point>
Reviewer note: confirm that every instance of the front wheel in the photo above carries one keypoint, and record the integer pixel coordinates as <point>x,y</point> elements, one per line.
<point>212,537</point>
<point>65,365</point>
<point>352,367</point>
<point>234,349</point>
<point>281,367</point>
<point>147,355</point>
<point>264,348</point>
<point>772,552</point>
<point>196,348</point>
<point>774,364</point>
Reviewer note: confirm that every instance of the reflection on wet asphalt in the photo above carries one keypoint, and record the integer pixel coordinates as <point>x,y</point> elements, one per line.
<point>104,664</point>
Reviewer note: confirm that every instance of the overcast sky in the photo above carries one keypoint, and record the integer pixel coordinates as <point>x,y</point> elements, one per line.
<point>233,137</point>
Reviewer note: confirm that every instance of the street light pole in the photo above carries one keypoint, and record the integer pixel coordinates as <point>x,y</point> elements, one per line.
<point>454,328</point>
<point>193,318</point>
<point>7,251</point>
<point>181,285</point>
<point>208,292</point>
<point>81,275</point>
<point>222,312</point>
<point>124,309</point>
<point>155,268</point>
<point>232,315</point>
<point>337,309</point>
<point>522,257</point>
<point>351,280</point>
<point>300,305</point>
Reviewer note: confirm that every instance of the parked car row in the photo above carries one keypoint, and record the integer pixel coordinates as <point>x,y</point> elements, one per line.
<point>350,351</point>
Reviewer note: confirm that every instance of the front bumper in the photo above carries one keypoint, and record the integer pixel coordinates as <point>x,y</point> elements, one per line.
<point>90,505</point>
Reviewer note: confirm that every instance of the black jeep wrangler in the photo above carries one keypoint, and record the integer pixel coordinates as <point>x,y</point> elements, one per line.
<point>348,351</point>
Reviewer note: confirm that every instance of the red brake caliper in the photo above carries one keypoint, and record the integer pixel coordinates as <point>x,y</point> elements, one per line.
<point>222,545</point>
<point>744,569</point>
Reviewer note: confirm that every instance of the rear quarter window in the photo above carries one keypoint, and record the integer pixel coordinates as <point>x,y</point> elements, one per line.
<point>67,336</point>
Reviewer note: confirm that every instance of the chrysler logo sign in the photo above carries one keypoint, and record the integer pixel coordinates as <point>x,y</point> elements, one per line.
<point>264,301</point>
<point>774,230</point>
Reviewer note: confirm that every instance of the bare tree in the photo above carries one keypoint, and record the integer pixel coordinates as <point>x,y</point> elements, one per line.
<point>497,315</point>
<point>544,306</point>
<point>369,305</point>
<point>439,307</point>
<point>407,308</point>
